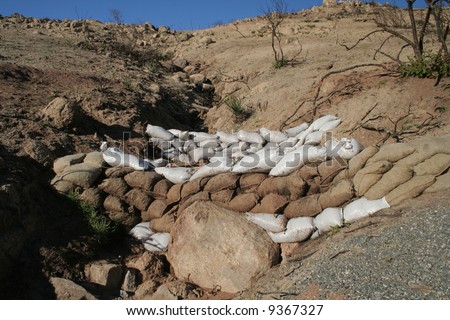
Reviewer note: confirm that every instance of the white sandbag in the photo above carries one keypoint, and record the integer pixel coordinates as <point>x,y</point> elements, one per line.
<point>302,135</point>
<point>183,160</point>
<point>188,146</point>
<point>213,143</point>
<point>159,132</point>
<point>157,163</point>
<point>297,229</point>
<point>175,175</point>
<point>314,138</point>
<point>157,242</point>
<point>170,153</point>
<point>272,136</point>
<point>213,168</point>
<point>345,148</point>
<point>297,158</point>
<point>269,222</point>
<point>328,126</point>
<point>249,136</point>
<point>116,157</point>
<point>160,143</point>
<point>329,218</point>
<point>141,231</point>
<point>202,136</point>
<point>198,154</point>
<point>178,144</point>
<point>262,161</point>
<point>292,132</point>
<point>363,207</point>
<point>227,138</point>
<point>315,235</point>
<point>183,135</point>
<point>254,147</point>
<point>317,124</point>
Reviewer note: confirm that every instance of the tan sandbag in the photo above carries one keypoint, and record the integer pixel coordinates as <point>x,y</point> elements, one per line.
<point>161,189</point>
<point>411,189</point>
<point>389,181</point>
<point>338,194</point>
<point>308,172</point>
<point>163,224</point>
<point>142,180</point>
<point>114,186</point>
<point>249,182</point>
<point>392,152</point>
<point>156,210</point>
<point>425,149</point>
<point>365,178</point>
<point>435,166</point>
<point>127,220</point>
<point>359,161</point>
<point>343,175</point>
<point>118,172</point>
<point>243,202</point>
<point>222,181</point>
<point>190,187</point>
<point>139,199</point>
<point>223,196</point>
<point>330,169</point>
<point>271,203</point>
<point>442,183</point>
<point>186,202</point>
<point>114,204</point>
<point>308,206</point>
<point>174,194</point>
<point>292,185</point>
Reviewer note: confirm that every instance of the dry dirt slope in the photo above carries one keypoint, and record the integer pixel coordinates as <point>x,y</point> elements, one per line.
<point>116,95</point>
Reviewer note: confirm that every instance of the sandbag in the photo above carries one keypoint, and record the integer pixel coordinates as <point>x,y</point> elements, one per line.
<point>227,138</point>
<point>301,137</point>
<point>267,221</point>
<point>243,202</point>
<point>297,158</point>
<point>345,148</point>
<point>254,147</point>
<point>183,135</point>
<point>389,181</point>
<point>188,146</point>
<point>342,175</point>
<point>161,189</point>
<point>329,169</point>
<point>223,196</point>
<point>317,124</point>
<point>175,175</point>
<point>114,186</point>
<point>314,138</point>
<point>202,136</point>
<point>435,166</point>
<point>409,190</point>
<point>363,207</point>
<point>442,183</point>
<point>114,204</point>
<point>222,181</point>
<point>156,210</point>
<point>262,161</point>
<point>174,194</point>
<point>308,206</point>
<point>190,187</point>
<point>358,162</point>
<point>143,180</point>
<point>251,181</point>
<point>159,132</point>
<point>337,195</point>
<point>157,242</point>
<point>198,154</point>
<point>141,231</point>
<point>294,131</point>
<point>161,144</point>
<point>392,152</point>
<point>163,224</point>
<point>271,203</point>
<point>212,168</point>
<point>210,144</point>
<point>328,218</point>
<point>293,186</point>
<point>116,157</point>
<point>297,229</point>
<point>369,175</point>
<point>252,137</point>
<point>139,199</point>
<point>273,136</point>
<point>328,126</point>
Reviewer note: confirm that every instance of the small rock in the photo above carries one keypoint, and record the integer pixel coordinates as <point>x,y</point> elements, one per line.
<point>39,152</point>
<point>207,41</point>
<point>81,175</point>
<point>130,281</point>
<point>208,87</point>
<point>61,163</point>
<point>163,293</point>
<point>105,273</point>
<point>76,24</point>
<point>180,63</point>
<point>146,289</point>
<point>190,69</point>
<point>69,290</point>
<point>185,37</point>
<point>163,29</point>
<point>197,79</point>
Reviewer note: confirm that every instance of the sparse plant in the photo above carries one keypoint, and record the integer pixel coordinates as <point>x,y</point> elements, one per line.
<point>235,105</point>
<point>116,16</point>
<point>431,65</point>
<point>102,227</point>
<point>128,84</point>
<point>441,109</point>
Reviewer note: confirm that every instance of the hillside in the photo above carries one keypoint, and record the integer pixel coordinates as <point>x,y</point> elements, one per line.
<point>116,79</point>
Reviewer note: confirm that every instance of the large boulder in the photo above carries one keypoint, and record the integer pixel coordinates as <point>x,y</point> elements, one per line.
<point>214,246</point>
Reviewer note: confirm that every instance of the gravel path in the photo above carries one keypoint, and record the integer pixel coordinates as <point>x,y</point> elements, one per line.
<point>401,254</point>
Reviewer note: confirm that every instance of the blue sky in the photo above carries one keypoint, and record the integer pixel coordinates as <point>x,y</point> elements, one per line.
<point>177,14</point>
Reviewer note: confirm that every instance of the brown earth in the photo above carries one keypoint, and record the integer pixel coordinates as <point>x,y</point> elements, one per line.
<point>118,92</point>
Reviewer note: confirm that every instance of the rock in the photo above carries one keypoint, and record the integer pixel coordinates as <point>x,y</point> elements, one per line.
<point>81,174</point>
<point>61,163</point>
<point>76,24</point>
<point>212,246</point>
<point>95,159</point>
<point>163,293</point>
<point>62,186</point>
<point>138,198</point>
<point>180,63</point>
<point>185,37</point>
<point>142,180</point>
<point>207,41</point>
<point>151,266</point>
<point>105,273</point>
<point>64,114</point>
<point>69,290</point>
<point>92,196</point>
<point>39,152</point>
<point>197,79</point>
<point>114,186</point>
<point>146,289</point>
<point>130,281</point>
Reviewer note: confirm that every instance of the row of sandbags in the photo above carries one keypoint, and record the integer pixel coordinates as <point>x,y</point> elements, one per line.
<point>278,153</point>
